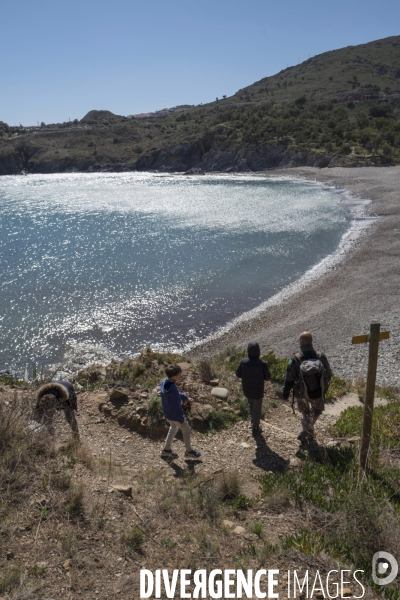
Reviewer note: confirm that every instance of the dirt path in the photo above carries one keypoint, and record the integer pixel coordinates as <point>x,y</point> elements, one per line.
<point>230,449</point>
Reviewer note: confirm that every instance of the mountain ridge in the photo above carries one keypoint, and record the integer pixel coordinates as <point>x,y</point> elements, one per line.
<point>341,107</point>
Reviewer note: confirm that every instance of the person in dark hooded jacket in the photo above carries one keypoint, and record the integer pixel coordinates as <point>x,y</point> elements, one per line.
<point>253,372</point>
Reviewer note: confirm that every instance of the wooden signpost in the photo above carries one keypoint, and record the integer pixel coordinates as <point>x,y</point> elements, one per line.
<point>373,338</point>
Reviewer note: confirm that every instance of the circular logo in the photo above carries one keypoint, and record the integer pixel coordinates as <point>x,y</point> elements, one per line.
<point>379,568</point>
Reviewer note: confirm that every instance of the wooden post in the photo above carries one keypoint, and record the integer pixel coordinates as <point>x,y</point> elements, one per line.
<point>374,331</point>
<point>374,336</point>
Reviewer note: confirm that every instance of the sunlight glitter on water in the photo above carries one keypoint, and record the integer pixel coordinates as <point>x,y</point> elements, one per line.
<point>119,261</point>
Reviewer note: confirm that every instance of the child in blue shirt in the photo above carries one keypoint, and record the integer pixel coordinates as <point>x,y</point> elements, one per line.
<point>172,400</point>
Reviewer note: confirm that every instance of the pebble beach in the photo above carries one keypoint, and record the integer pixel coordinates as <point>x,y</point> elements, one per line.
<point>363,286</point>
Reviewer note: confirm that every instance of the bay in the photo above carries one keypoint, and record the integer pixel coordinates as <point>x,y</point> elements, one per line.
<point>95,266</point>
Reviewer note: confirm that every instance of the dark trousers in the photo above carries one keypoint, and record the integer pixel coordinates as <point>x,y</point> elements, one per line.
<point>309,415</point>
<point>255,405</point>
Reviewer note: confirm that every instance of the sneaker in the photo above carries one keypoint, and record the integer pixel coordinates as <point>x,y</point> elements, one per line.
<point>169,454</point>
<point>192,454</point>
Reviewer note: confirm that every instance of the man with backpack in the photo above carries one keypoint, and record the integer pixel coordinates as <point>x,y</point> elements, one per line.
<point>253,371</point>
<point>308,374</point>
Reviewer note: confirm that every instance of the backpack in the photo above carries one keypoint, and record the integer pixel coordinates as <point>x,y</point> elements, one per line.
<point>312,377</point>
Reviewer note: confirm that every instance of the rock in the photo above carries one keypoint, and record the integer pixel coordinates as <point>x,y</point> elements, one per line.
<point>214,382</point>
<point>228,524</point>
<point>294,462</point>
<point>124,489</point>
<point>201,412</point>
<point>141,410</point>
<point>239,530</point>
<point>143,421</point>
<point>227,409</point>
<point>245,445</point>
<point>185,366</point>
<point>220,392</point>
<point>332,444</point>
<point>144,395</point>
<point>67,565</point>
<point>354,439</point>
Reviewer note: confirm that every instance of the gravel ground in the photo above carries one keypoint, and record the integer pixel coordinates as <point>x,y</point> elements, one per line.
<point>363,287</point>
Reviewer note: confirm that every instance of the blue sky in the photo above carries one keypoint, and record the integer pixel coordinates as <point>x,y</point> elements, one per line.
<point>61,59</point>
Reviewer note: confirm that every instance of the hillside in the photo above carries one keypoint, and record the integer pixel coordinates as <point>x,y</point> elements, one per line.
<point>339,108</point>
<point>81,521</point>
<point>366,69</point>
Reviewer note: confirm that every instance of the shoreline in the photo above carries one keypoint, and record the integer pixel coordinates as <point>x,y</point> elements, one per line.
<point>362,286</point>
<point>360,223</point>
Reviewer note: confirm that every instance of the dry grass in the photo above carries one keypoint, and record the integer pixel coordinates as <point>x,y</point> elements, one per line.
<point>133,540</point>
<point>229,486</point>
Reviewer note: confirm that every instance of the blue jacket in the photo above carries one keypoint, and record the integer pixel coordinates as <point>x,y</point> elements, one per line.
<point>171,399</point>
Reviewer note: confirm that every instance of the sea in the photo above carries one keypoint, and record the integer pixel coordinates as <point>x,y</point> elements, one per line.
<point>99,266</point>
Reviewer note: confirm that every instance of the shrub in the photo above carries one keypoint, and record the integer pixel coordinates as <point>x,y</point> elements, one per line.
<point>241,502</point>
<point>388,391</point>
<point>221,419</point>
<point>85,456</point>
<point>207,499</point>
<point>229,486</point>
<point>68,543</point>
<point>337,387</point>
<point>206,543</point>
<point>381,109</point>
<point>244,408</point>
<point>257,528</point>
<point>168,542</point>
<point>205,370</point>
<point>74,500</point>
<point>386,425</point>
<point>138,370</point>
<point>61,481</point>
<point>277,366</point>
<point>133,540</point>
<point>10,579</point>
<point>300,102</point>
<point>154,411</point>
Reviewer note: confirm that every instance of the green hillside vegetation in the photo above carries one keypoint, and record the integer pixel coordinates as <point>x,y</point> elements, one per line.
<point>341,107</point>
<point>368,69</point>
